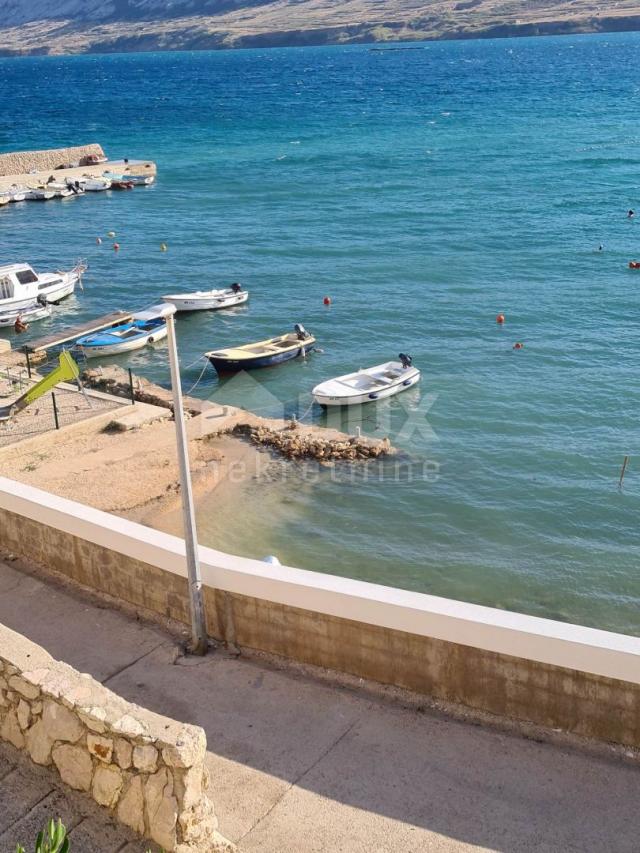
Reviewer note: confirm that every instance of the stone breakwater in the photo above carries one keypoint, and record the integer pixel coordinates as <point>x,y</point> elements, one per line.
<point>22,162</point>
<point>287,438</point>
<point>296,442</point>
<point>146,769</point>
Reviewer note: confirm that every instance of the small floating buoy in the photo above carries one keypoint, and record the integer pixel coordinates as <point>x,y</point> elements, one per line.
<point>116,247</point>
<point>634,265</point>
<point>99,241</point>
<point>500,319</point>
<point>518,345</point>
<point>111,234</point>
<point>163,247</point>
<point>327,300</point>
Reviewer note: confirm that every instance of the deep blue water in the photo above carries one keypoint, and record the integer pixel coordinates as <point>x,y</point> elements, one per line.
<point>424,191</point>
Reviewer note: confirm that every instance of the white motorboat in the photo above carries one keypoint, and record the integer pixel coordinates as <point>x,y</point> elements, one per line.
<point>60,188</point>
<point>33,312</point>
<point>365,386</point>
<point>16,193</point>
<point>5,198</point>
<point>145,327</point>
<point>39,194</point>
<point>21,286</point>
<point>94,185</point>
<point>209,300</point>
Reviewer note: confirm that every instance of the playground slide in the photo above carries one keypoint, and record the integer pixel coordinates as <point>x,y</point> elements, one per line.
<point>66,370</point>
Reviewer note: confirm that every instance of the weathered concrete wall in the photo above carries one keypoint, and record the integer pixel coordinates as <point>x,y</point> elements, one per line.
<point>507,684</point>
<point>21,162</point>
<point>146,769</point>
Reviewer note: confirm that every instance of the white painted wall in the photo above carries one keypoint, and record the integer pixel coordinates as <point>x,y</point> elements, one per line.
<point>542,640</point>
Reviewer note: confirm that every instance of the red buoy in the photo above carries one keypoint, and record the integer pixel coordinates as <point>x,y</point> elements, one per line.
<point>116,247</point>
<point>500,319</point>
<point>518,345</point>
<point>327,300</point>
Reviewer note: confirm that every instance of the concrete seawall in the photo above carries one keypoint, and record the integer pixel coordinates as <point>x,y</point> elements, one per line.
<point>525,668</point>
<point>23,162</point>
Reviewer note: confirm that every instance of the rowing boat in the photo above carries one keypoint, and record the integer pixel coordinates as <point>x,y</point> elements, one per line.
<point>263,353</point>
<point>208,300</point>
<point>368,385</point>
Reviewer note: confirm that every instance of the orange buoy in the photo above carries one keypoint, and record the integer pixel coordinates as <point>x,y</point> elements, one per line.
<point>500,319</point>
<point>99,241</point>
<point>327,300</point>
<point>518,345</point>
<point>116,247</point>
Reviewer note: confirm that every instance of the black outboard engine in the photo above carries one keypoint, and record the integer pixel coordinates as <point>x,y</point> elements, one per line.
<point>42,300</point>
<point>301,332</point>
<point>236,287</point>
<point>406,360</point>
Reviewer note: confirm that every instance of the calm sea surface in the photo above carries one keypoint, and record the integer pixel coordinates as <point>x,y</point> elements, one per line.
<point>425,191</point>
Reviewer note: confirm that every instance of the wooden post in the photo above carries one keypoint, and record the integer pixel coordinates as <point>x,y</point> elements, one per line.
<point>131,391</point>
<point>622,473</point>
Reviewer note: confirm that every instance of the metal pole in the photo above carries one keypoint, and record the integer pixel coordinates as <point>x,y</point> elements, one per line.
<point>26,352</point>
<point>55,410</point>
<point>199,643</point>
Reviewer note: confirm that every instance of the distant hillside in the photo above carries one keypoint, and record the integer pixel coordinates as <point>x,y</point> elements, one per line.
<point>106,26</point>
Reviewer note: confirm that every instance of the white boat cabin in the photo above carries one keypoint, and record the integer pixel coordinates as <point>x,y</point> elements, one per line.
<point>21,286</point>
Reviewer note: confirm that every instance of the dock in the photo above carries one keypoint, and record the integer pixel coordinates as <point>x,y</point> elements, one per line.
<point>108,321</point>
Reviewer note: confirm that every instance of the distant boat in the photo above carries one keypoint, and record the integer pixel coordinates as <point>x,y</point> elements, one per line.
<point>94,185</point>
<point>146,327</point>
<point>36,311</point>
<point>126,178</point>
<point>209,300</point>
<point>368,385</point>
<point>16,193</point>
<point>264,353</point>
<point>5,198</point>
<point>39,194</point>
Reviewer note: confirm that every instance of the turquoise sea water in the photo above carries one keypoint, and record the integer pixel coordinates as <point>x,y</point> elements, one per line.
<point>424,191</point>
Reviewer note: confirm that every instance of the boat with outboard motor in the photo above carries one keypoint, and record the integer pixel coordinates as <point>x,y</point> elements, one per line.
<point>39,194</point>
<point>126,178</point>
<point>21,286</point>
<point>368,385</point>
<point>35,311</point>
<point>209,300</point>
<point>91,184</point>
<point>263,353</point>
<point>145,327</point>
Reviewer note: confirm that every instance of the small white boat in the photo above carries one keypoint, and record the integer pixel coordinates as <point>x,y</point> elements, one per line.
<point>39,194</point>
<point>94,185</point>
<point>125,177</point>
<point>5,198</point>
<point>17,193</point>
<point>21,285</point>
<point>36,311</point>
<point>366,386</point>
<point>209,300</point>
<point>145,327</point>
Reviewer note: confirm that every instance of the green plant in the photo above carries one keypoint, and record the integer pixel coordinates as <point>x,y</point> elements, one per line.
<point>53,839</point>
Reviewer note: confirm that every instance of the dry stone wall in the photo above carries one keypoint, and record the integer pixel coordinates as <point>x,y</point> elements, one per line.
<point>147,769</point>
<point>23,162</point>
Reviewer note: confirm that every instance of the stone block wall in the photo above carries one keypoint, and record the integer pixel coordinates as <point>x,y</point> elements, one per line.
<point>22,162</point>
<point>147,769</point>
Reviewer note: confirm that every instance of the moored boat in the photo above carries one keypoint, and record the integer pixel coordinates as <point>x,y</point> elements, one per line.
<point>33,312</point>
<point>92,184</point>
<point>368,385</point>
<point>125,177</point>
<point>5,198</point>
<point>263,353</point>
<point>39,194</point>
<point>146,327</point>
<point>209,300</point>
<point>16,193</point>
<point>21,286</point>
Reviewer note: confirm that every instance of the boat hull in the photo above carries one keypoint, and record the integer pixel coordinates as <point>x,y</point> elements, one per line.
<point>405,382</point>
<point>28,315</point>
<point>194,302</point>
<point>97,351</point>
<point>228,365</point>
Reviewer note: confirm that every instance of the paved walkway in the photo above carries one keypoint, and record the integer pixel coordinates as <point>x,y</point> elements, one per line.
<point>301,766</point>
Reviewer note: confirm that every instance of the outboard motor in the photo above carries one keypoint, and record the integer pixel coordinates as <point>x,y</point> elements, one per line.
<point>42,300</point>
<point>236,287</point>
<point>406,360</point>
<point>301,332</point>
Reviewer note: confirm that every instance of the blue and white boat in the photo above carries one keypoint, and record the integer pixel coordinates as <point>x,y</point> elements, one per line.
<point>264,353</point>
<point>145,327</point>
